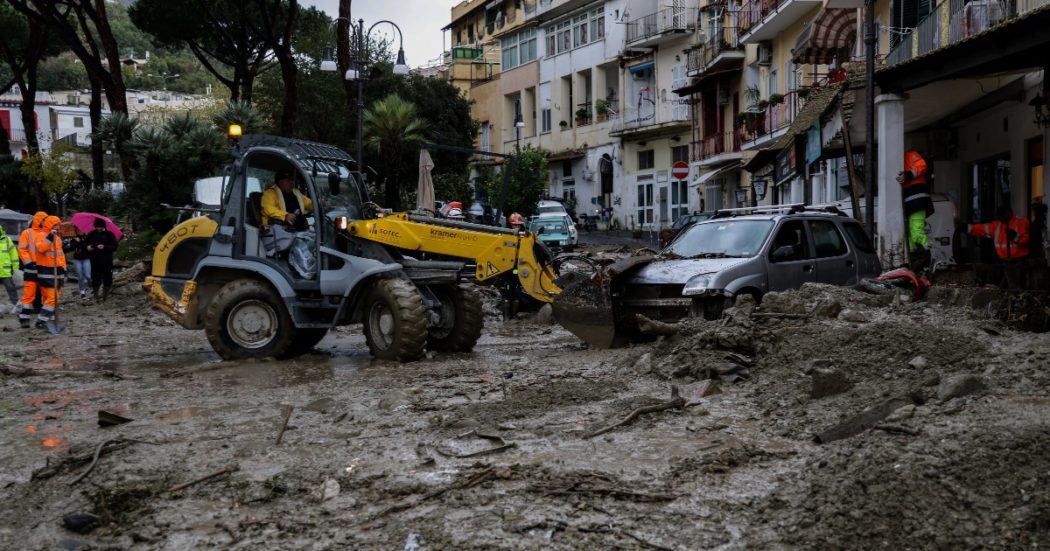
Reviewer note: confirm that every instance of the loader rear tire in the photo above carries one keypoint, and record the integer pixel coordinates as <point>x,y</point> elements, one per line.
<point>248,319</point>
<point>461,319</point>
<point>395,322</point>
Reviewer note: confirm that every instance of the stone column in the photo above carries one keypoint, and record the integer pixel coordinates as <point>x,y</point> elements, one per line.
<point>889,211</point>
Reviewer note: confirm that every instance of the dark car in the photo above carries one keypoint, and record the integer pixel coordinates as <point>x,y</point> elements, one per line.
<point>681,223</point>
<point>711,262</point>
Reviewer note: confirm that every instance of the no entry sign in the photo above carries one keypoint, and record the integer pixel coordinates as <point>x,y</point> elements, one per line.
<point>680,170</point>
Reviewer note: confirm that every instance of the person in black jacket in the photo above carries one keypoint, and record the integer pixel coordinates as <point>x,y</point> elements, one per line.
<point>101,244</point>
<point>81,261</point>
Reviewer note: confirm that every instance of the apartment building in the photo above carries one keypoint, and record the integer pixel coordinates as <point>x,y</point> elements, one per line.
<point>473,62</point>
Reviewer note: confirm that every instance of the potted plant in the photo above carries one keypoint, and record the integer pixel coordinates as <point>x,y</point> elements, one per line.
<point>776,99</point>
<point>744,118</point>
<point>762,105</point>
<point>803,92</point>
<point>582,116</point>
<point>563,124</point>
<point>601,106</point>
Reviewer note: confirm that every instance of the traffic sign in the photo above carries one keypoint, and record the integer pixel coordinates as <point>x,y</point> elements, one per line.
<point>680,170</point>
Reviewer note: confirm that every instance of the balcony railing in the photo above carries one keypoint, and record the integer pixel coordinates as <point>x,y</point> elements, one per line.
<point>724,40</point>
<point>664,21</point>
<point>955,20</point>
<point>753,12</point>
<point>632,119</point>
<point>719,143</point>
<point>772,118</point>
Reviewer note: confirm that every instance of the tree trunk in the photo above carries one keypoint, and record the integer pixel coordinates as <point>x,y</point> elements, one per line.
<point>342,48</point>
<point>116,91</point>
<point>97,157</point>
<point>289,74</point>
<point>28,89</point>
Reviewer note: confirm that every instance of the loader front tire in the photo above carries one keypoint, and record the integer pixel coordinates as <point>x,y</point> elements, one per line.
<point>248,319</point>
<point>395,322</point>
<point>461,320</point>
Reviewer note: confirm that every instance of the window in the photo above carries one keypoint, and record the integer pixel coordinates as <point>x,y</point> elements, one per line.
<point>564,36</point>
<point>568,190</point>
<point>791,234</point>
<point>679,199</point>
<point>545,120</point>
<point>773,82</point>
<point>579,31</point>
<point>552,43</point>
<point>78,122</point>
<point>518,48</point>
<point>859,237</point>
<point>827,240</point>
<point>485,136</point>
<point>680,153</point>
<point>566,168</point>
<point>646,159</point>
<point>597,24</point>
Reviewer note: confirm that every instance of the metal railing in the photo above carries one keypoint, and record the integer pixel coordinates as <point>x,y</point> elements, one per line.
<point>726,39</point>
<point>955,20</point>
<point>664,21</point>
<point>719,143</point>
<point>781,115</point>
<point>648,115</point>
<point>752,13</point>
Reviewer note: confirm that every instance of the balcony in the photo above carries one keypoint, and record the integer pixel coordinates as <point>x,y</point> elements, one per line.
<point>719,148</point>
<point>765,19</point>
<point>952,21</point>
<point>762,127</point>
<point>662,26</point>
<point>720,52</point>
<point>633,123</point>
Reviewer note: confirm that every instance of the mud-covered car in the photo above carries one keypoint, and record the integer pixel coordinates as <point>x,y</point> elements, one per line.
<point>706,266</point>
<point>553,231</point>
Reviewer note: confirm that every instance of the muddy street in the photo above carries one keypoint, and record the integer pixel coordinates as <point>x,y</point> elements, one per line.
<point>935,422</point>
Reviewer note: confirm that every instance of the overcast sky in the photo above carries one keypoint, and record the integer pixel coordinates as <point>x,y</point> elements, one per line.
<point>420,20</point>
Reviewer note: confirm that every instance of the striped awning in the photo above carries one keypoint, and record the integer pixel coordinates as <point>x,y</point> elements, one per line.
<point>830,35</point>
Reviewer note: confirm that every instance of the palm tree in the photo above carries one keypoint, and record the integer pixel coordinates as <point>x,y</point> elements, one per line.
<point>242,113</point>
<point>391,125</point>
<point>117,132</point>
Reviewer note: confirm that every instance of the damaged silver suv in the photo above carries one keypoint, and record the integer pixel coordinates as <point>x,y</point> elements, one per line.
<point>705,267</point>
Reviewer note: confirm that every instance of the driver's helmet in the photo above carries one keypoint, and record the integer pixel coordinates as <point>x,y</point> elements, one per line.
<point>516,220</point>
<point>455,213</point>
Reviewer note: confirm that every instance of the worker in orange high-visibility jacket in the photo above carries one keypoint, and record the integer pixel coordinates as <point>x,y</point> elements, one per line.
<point>1009,233</point>
<point>918,206</point>
<point>51,268</point>
<point>27,256</point>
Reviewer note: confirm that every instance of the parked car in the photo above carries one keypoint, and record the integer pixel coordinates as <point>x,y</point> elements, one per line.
<point>550,207</point>
<point>574,234</point>
<point>681,223</point>
<point>710,263</point>
<point>553,232</point>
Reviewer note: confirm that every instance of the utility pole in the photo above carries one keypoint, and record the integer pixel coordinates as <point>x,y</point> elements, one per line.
<point>869,123</point>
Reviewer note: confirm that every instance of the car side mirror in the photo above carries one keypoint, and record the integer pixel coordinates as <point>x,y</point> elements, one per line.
<point>783,252</point>
<point>333,183</point>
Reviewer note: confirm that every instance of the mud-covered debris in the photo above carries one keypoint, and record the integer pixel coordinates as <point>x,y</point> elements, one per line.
<point>644,364</point>
<point>656,328</point>
<point>81,523</point>
<point>329,490</point>
<point>784,303</point>
<point>413,542</point>
<point>394,400</point>
<point>828,382</point>
<point>901,414</point>
<point>321,405</point>
<point>545,315</point>
<point>827,308</point>
<point>110,419</point>
<point>919,362</point>
<point>854,316</point>
<point>695,392</point>
<point>958,386</point>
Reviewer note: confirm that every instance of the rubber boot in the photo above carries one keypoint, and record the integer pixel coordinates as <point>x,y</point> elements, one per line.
<point>919,260</point>
<point>105,293</point>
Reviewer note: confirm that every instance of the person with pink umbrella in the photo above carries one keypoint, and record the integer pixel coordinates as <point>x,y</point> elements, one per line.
<point>101,244</point>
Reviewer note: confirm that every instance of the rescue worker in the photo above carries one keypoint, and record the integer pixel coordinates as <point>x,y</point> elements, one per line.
<point>918,206</point>
<point>8,264</point>
<point>51,268</point>
<point>284,204</point>
<point>1009,233</point>
<point>27,255</point>
<point>516,221</point>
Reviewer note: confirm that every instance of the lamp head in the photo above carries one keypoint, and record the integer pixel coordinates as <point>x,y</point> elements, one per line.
<point>401,67</point>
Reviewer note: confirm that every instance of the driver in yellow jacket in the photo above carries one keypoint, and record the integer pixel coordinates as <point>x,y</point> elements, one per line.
<point>282,203</point>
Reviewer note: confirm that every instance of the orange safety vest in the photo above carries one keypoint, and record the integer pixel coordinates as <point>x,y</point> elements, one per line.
<point>996,230</point>
<point>915,191</point>
<point>50,260</point>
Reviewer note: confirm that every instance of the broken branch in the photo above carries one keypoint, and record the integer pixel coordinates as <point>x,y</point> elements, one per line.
<point>286,413</point>
<point>205,478</point>
<point>676,402</point>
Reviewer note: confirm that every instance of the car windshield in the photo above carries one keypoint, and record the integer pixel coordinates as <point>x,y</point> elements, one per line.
<point>549,226</point>
<point>721,238</point>
<point>553,208</point>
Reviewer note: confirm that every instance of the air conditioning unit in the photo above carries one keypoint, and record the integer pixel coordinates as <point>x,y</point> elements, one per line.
<point>588,175</point>
<point>765,53</point>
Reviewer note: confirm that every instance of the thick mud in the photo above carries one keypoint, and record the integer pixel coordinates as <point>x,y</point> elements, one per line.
<point>490,449</point>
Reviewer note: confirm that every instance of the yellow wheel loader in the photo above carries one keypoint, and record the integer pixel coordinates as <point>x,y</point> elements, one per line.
<point>260,289</point>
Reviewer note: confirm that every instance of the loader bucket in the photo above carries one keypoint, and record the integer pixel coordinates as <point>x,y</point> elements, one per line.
<point>586,305</point>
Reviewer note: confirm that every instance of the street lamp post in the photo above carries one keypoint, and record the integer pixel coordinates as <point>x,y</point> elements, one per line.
<point>869,113</point>
<point>356,72</point>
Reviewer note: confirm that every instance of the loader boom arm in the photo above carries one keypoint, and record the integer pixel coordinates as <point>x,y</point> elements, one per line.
<point>495,251</point>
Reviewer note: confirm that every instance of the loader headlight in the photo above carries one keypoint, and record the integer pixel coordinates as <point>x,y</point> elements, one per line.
<point>341,223</point>
<point>697,285</point>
